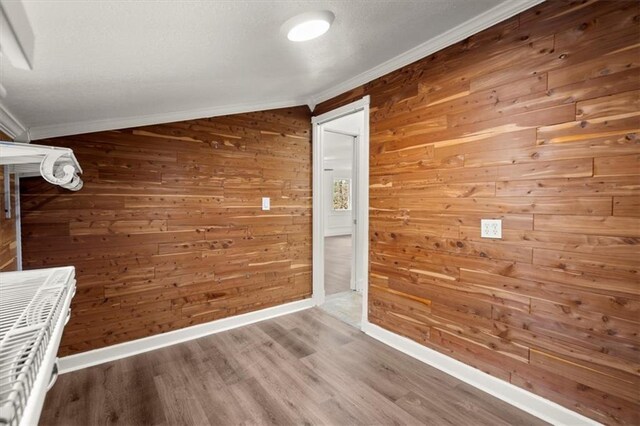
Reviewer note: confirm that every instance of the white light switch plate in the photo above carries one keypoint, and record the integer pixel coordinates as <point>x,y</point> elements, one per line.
<point>491,228</point>
<point>266,203</point>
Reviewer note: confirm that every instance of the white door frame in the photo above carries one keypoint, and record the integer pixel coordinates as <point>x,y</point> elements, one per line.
<point>361,179</point>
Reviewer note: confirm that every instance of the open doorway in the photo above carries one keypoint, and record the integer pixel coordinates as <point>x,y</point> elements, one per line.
<point>340,197</point>
<point>342,299</point>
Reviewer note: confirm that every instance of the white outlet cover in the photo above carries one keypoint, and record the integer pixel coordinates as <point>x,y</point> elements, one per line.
<point>491,228</point>
<point>266,203</point>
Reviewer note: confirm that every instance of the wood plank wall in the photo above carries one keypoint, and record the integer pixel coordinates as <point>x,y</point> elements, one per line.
<point>8,242</point>
<point>534,121</point>
<point>168,230</point>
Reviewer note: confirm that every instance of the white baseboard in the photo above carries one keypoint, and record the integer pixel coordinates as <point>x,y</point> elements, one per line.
<point>135,347</point>
<point>533,404</point>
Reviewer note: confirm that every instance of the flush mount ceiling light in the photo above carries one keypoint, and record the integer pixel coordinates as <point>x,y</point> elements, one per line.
<point>308,25</point>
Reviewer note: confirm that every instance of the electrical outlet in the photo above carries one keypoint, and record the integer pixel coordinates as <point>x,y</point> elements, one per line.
<point>266,203</point>
<point>491,228</point>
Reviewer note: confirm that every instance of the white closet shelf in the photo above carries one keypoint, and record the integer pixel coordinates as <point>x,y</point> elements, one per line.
<point>56,165</point>
<point>34,310</point>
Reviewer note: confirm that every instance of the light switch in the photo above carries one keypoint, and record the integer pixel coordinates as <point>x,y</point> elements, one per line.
<point>266,203</point>
<point>491,228</point>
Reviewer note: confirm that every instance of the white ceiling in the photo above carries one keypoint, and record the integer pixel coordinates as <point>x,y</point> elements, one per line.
<point>109,64</point>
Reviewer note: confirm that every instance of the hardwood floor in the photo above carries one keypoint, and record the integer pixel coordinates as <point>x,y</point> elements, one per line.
<point>337,264</point>
<point>303,368</point>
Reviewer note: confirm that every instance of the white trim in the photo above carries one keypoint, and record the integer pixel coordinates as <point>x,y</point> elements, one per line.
<point>355,284</point>
<point>10,125</point>
<point>146,344</point>
<point>16,35</point>
<point>342,111</point>
<point>317,215</point>
<point>67,129</point>
<point>361,179</point>
<point>533,404</point>
<point>496,14</point>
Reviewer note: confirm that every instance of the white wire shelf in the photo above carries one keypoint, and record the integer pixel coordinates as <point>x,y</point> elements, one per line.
<point>34,307</point>
<point>56,165</point>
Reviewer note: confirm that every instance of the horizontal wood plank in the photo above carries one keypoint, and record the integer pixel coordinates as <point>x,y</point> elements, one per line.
<point>168,232</point>
<point>541,109</point>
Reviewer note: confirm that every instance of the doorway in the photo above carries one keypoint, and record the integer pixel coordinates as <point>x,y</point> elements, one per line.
<point>340,211</point>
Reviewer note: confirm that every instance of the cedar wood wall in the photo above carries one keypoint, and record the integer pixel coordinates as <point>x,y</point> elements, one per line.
<point>168,230</point>
<point>8,243</point>
<point>534,121</point>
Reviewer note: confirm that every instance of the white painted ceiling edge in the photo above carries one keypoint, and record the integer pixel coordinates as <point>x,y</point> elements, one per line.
<point>15,129</point>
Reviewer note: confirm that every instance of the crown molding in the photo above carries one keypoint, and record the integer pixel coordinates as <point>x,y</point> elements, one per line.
<point>496,14</point>
<point>68,129</point>
<point>11,126</point>
<point>16,37</point>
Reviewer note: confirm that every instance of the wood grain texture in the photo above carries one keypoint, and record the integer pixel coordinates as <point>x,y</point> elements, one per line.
<point>8,242</point>
<point>305,368</point>
<point>534,121</point>
<point>168,230</point>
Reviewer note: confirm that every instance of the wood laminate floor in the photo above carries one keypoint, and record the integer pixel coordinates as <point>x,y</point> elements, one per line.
<point>303,368</point>
<point>337,264</point>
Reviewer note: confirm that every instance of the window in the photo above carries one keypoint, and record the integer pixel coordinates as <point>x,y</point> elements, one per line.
<point>341,194</point>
